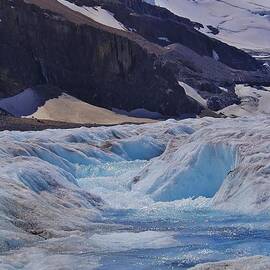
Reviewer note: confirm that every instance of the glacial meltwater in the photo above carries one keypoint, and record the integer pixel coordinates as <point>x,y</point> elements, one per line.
<point>168,235</point>
<point>168,195</point>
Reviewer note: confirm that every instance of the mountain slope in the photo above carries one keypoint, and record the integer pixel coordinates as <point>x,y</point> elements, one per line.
<point>118,54</point>
<point>93,62</point>
<point>136,195</point>
<point>244,24</point>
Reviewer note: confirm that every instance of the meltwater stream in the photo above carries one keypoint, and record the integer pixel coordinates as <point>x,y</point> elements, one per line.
<point>168,235</point>
<point>168,195</point>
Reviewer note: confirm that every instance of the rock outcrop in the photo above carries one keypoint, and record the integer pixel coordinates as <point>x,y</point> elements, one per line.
<point>101,67</point>
<point>46,43</point>
<point>160,26</point>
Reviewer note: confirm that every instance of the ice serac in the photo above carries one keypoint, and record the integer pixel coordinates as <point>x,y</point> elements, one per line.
<point>190,175</point>
<point>225,160</point>
<point>220,159</point>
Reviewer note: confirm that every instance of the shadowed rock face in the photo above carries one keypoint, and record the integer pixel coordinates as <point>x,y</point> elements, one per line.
<point>153,22</point>
<point>105,66</point>
<point>97,66</point>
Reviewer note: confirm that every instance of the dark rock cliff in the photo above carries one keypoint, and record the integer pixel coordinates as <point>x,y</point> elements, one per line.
<point>45,43</point>
<point>160,26</point>
<point>97,66</point>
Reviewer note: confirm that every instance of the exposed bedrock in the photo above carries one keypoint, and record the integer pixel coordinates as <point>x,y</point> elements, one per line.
<point>118,69</point>
<point>100,67</point>
<point>160,26</point>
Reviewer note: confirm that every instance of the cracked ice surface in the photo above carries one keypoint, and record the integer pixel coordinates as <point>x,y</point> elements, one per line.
<point>155,196</point>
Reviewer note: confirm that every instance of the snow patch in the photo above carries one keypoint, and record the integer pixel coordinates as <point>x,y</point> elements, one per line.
<point>22,104</point>
<point>66,108</point>
<point>97,14</point>
<point>164,39</point>
<point>191,92</point>
<point>253,102</point>
<point>239,22</point>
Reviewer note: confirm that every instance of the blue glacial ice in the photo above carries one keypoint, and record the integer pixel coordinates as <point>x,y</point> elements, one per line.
<point>204,166</point>
<point>168,195</point>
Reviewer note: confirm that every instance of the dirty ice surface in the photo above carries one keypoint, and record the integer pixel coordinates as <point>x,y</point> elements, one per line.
<point>166,195</point>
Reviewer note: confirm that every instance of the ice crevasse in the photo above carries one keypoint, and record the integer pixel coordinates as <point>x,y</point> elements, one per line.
<point>81,191</point>
<point>226,160</point>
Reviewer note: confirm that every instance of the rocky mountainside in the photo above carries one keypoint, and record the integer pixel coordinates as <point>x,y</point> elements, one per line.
<point>135,64</point>
<point>243,24</point>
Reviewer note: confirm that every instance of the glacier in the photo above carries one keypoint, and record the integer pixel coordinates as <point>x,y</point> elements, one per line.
<point>250,263</point>
<point>165,195</point>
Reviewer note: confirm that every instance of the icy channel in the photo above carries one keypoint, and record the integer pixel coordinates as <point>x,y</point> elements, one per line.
<point>168,195</point>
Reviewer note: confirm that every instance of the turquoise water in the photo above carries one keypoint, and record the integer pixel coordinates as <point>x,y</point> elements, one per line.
<point>200,233</point>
